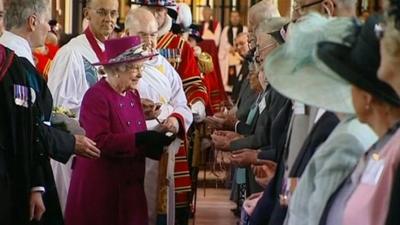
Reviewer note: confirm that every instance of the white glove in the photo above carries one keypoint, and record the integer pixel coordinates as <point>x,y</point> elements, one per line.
<point>199,111</point>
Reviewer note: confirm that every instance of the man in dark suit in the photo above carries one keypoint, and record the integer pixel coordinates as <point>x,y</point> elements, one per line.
<point>271,209</point>
<point>26,139</point>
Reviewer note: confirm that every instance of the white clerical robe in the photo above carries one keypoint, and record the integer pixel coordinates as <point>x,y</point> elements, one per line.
<point>209,35</point>
<point>227,59</point>
<point>162,84</point>
<point>70,76</point>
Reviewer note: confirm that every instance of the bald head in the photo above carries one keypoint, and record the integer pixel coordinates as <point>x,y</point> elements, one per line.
<point>261,11</point>
<point>141,22</point>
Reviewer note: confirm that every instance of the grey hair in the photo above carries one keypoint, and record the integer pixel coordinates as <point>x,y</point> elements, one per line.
<point>270,25</point>
<point>18,11</point>
<point>348,3</point>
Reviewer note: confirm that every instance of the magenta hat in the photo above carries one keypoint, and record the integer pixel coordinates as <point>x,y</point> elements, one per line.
<point>121,50</point>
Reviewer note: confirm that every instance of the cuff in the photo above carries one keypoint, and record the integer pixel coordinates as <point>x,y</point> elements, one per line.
<point>38,189</point>
<point>236,126</point>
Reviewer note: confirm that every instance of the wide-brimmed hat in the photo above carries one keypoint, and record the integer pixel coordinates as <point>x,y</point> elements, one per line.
<point>359,63</point>
<point>121,50</point>
<point>294,70</point>
<point>169,4</point>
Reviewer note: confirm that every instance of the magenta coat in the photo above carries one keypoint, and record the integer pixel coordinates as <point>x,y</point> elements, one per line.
<point>109,190</point>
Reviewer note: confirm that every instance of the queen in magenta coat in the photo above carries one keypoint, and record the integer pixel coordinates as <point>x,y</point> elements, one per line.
<point>109,190</point>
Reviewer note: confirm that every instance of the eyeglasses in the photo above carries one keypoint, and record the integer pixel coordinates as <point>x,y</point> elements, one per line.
<point>104,12</point>
<point>258,50</point>
<point>300,8</point>
<point>128,67</point>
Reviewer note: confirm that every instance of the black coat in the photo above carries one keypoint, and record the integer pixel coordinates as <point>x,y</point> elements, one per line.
<point>28,143</point>
<point>261,135</point>
<point>269,209</point>
<point>243,74</point>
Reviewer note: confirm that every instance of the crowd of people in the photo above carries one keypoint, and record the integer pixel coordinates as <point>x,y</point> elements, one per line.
<point>108,128</point>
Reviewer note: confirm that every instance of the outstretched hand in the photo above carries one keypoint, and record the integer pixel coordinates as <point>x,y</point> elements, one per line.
<point>85,147</point>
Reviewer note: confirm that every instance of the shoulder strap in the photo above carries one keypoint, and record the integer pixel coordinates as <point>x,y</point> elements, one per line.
<point>165,40</point>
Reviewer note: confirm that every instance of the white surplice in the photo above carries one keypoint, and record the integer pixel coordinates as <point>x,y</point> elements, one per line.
<point>70,76</point>
<point>209,35</point>
<point>225,58</point>
<point>162,84</point>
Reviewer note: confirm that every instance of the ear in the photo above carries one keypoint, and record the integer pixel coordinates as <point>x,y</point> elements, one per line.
<point>86,13</point>
<point>32,22</point>
<point>329,7</point>
<point>369,99</point>
<point>127,32</point>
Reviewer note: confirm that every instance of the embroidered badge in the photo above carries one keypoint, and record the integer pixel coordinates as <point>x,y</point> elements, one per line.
<point>21,95</point>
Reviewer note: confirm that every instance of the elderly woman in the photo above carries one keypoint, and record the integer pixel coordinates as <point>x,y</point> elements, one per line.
<point>364,197</point>
<point>110,190</point>
<point>389,72</point>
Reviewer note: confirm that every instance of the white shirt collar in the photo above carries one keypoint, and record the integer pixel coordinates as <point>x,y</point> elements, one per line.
<point>18,44</point>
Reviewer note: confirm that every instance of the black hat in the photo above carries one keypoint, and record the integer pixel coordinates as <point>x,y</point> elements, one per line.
<point>194,32</point>
<point>359,63</point>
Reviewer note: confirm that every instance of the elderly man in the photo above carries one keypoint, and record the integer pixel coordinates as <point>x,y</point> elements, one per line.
<point>161,84</point>
<point>230,121</point>
<point>71,73</point>
<point>181,56</point>
<point>28,27</point>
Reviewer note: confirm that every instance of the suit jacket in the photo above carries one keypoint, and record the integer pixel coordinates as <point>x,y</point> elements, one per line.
<point>25,142</point>
<point>279,132</point>
<point>242,77</point>
<point>319,133</point>
<point>261,136</point>
<point>329,166</point>
<point>245,100</point>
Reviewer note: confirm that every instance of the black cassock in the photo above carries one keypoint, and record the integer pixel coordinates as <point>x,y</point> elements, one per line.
<point>26,143</point>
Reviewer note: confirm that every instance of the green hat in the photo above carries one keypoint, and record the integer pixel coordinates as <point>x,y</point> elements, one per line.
<point>294,70</point>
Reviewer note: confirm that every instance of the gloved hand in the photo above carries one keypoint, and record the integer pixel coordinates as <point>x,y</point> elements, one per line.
<point>199,111</point>
<point>153,142</point>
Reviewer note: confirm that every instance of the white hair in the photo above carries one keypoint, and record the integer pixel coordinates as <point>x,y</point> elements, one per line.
<point>18,11</point>
<point>262,10</point>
